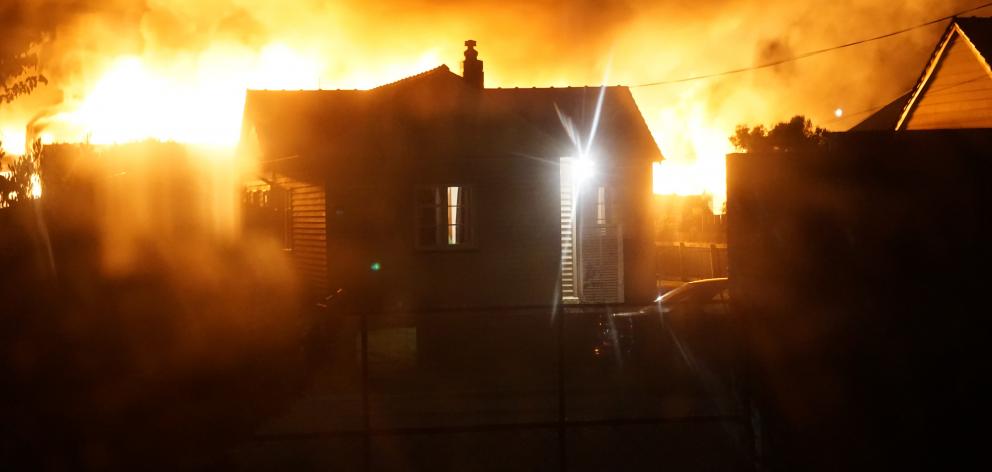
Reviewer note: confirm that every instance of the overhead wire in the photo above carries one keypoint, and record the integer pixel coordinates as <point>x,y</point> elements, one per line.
<point>812,53</point>
<point>905,92</point>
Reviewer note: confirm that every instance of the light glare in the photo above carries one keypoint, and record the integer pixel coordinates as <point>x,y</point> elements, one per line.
<point>585,169</point>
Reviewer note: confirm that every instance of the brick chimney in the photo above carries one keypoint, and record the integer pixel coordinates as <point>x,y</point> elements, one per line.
<point>472,66</point>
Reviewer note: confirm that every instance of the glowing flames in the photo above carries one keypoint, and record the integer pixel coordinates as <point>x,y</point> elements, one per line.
<point>196,100</point>
<point>35,190</point>
<point>695,154</point>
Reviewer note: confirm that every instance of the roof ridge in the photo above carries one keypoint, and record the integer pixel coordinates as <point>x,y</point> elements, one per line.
<point>440,68</point>
<point>956,27</point>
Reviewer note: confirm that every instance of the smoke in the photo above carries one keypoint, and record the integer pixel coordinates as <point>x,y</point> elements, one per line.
<point>358,44</point>
<point>524,42</point>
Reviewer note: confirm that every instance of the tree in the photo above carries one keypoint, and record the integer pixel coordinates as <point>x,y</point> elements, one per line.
<point>19,76</point>
<point>17,186</point>
<point>26,25</point>
<point>795,135</point>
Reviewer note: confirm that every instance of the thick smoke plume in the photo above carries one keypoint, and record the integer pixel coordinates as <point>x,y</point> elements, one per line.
<point>525,43</point>
<point>358,44</point>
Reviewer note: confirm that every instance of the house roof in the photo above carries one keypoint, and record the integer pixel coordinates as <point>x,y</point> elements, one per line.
<point>886,118</point>
<point>437,110</point>
<point>978,34</point>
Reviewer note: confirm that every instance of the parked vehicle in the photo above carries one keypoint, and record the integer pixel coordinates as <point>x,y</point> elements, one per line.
<point>695,316</point>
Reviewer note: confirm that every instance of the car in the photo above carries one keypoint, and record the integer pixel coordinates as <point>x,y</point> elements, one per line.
<point>694,315</point>
<point>700,292</point>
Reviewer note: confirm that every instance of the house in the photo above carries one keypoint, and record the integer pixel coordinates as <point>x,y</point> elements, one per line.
<point>434,192</point>
<point>954,89</point>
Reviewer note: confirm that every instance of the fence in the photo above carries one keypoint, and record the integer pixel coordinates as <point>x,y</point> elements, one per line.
<point>534,388</point>
<point>690,261</point>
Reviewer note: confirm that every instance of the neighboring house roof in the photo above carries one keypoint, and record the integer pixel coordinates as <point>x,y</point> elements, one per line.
<point>885,118</point>
<point>964,49</point>
<point>439,111</point>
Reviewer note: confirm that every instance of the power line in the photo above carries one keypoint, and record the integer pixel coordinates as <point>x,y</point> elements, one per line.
<point>904,93</point>
<point>811,53</point>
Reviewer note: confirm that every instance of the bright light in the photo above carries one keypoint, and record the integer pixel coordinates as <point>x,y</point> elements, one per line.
<point>584,169</point>
<point>12,140</point>
<point>839,112</point>
<point>35,186</point>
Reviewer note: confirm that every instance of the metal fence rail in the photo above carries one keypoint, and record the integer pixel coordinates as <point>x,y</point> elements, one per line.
<point>562,425</point>
<point>690,261</point>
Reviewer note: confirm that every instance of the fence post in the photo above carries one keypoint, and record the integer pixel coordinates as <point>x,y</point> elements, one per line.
<point>366,411</point>
<point>713,260</point>
<point>682,262</point>
<point>562,452</point>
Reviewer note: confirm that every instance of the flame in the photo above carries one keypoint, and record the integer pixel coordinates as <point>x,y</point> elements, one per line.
<point>696,155</point>
<point>13,140</point>
<point>197,100</point>
<point>35,186</point>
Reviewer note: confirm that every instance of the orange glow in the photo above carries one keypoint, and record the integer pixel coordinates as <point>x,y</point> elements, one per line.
<point>35,186</point>
<point>12,139</point>
<point>197,100</point>
<point>695,152</point>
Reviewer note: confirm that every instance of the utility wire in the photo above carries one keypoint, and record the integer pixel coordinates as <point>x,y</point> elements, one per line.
<point>906,92</point>
<point>811,53</point>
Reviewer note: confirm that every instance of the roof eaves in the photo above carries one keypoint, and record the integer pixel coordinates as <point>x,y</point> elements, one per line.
<point>975,49</point>
<point>921,83</point>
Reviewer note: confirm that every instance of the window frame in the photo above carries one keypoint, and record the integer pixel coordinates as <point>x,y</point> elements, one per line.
<point>470,215</point>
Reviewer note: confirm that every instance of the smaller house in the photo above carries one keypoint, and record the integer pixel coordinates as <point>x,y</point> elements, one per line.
<point>434,192</point>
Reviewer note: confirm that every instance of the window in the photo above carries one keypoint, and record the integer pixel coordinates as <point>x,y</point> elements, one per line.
<point>444,217</point>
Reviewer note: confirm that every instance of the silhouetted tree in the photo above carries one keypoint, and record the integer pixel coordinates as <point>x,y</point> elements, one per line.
<point>22,34</point>
<point>797,134</point>
<point>15,187</point>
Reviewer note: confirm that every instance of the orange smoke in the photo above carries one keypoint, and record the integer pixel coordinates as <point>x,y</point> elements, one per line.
<point>125,70</point>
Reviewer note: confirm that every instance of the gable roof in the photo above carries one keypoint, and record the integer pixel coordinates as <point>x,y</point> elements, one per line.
<point>437,110</point>
<point>976,32</point>
<point>886,118</point>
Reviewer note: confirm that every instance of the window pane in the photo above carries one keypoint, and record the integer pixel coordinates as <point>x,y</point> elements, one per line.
<point>427,216</point>
<point>454,193</point>
<point>454,235</point>
<point>442,216</point>
<point>426,236</point>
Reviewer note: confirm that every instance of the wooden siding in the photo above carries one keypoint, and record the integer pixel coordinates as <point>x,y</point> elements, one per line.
<point>306,233</point>
<point>959,93</point>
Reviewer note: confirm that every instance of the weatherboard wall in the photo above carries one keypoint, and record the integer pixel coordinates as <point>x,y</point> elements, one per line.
<point>958,94</point>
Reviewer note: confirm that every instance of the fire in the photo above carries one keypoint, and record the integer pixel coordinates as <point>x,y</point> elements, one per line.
<point>12,139</point>
<point>35,190</point>
<point>197,100</point>
<point>695,152</point>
